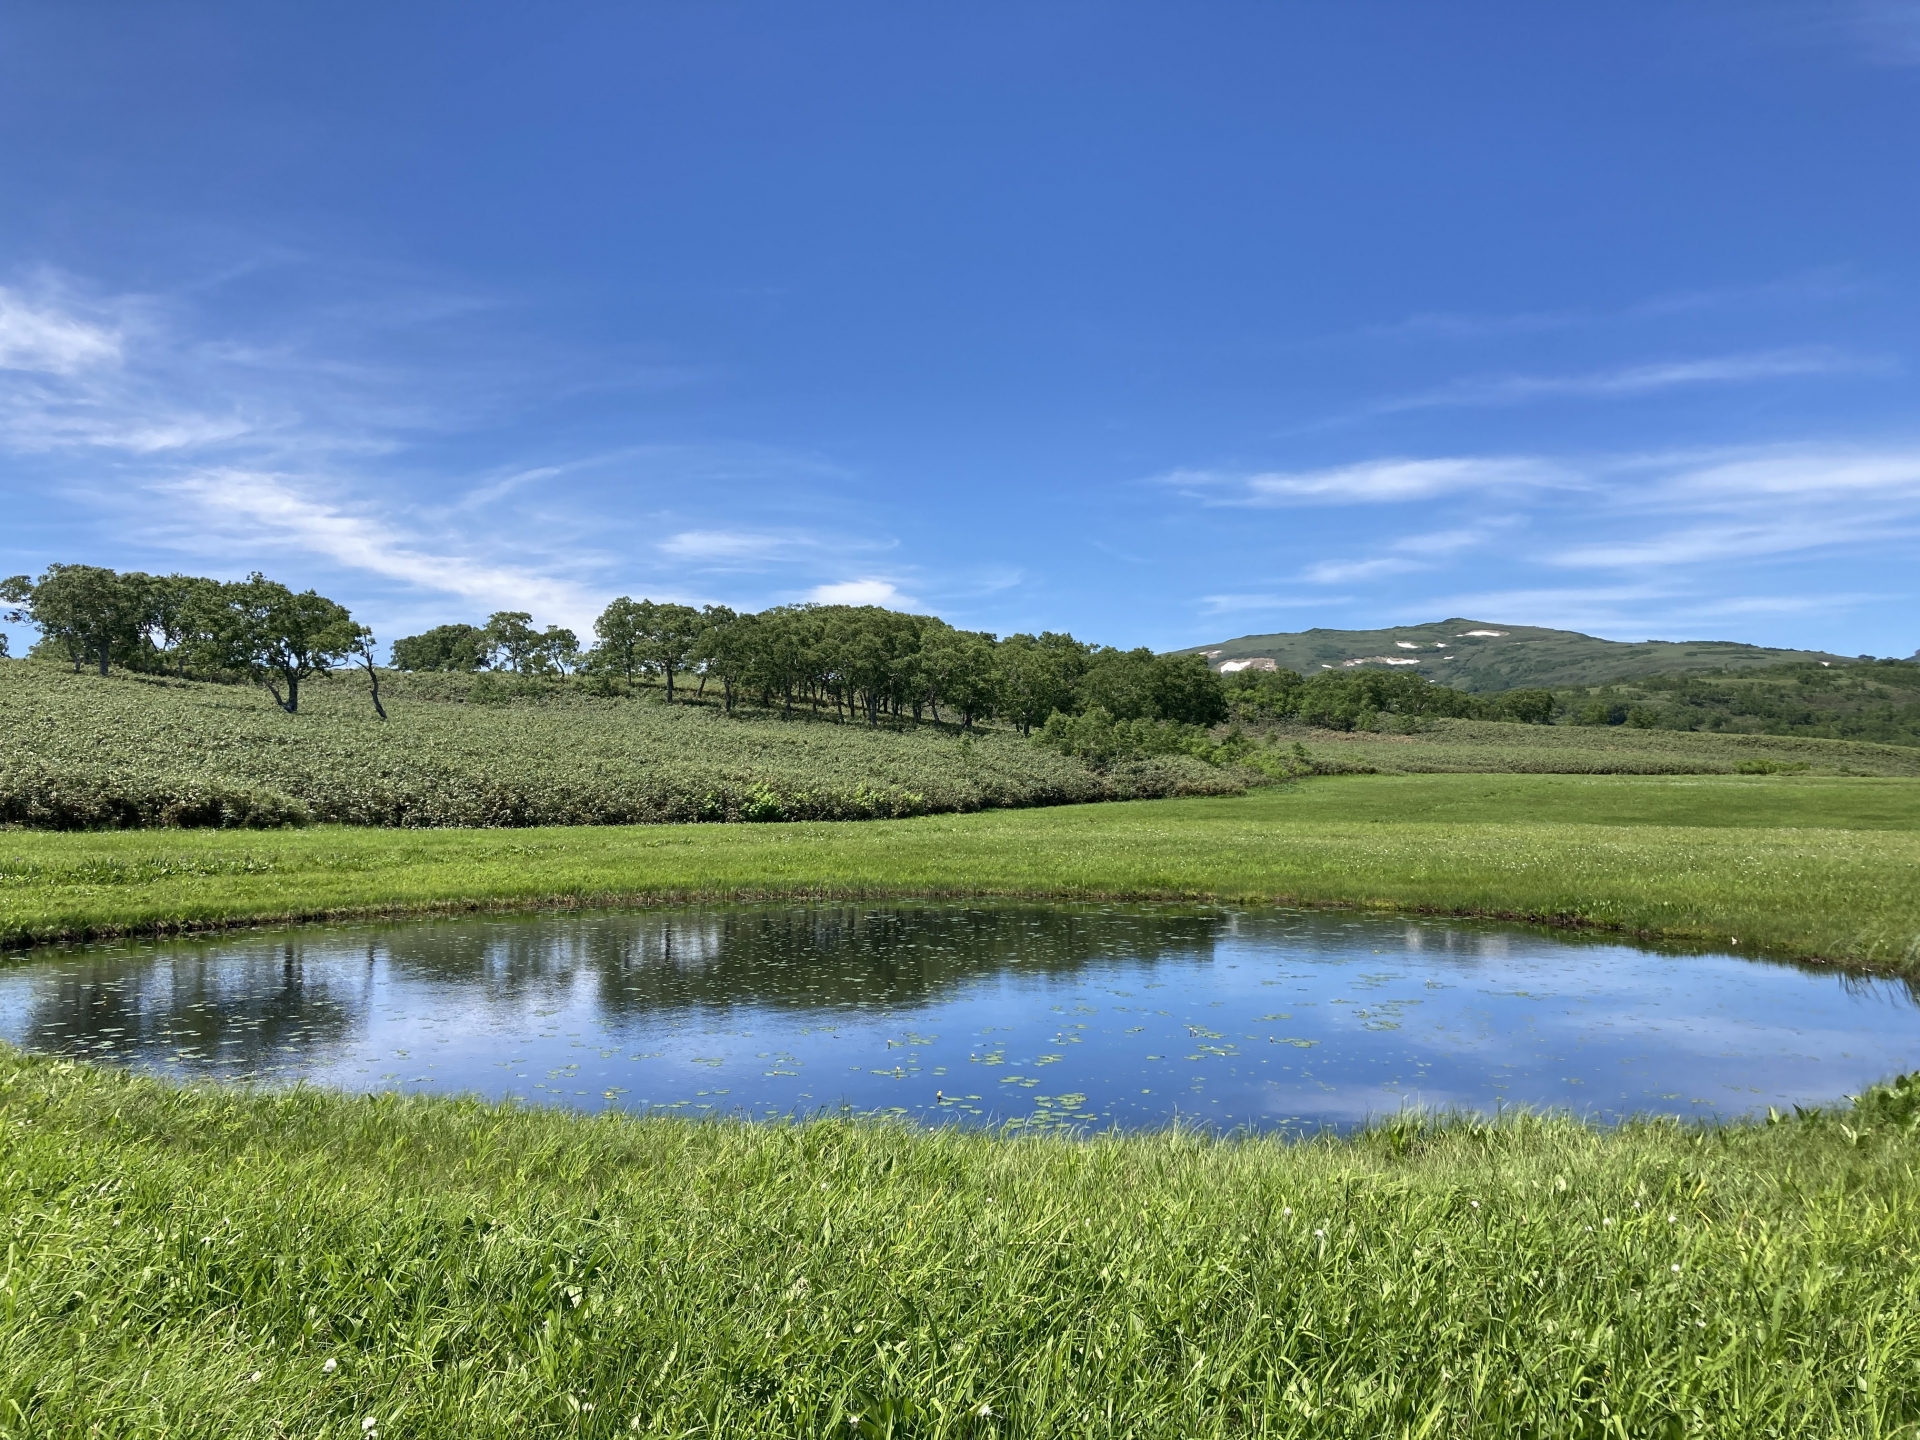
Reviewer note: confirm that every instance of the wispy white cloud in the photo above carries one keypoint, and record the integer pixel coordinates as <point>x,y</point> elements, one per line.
<point>1435,543</point>
<point>1682,541</point>
<point>1830,472</point>
<point>44,338</point>
<point>1804,604</point>
<point>1409,554</point>
<point>1369,482</point>
<point>1811,286</point>
<point>1233,604</point>
<point>1644,379</point>
<point>733,545</point>
<point>1667,610</point>
<point>228,449</point>
<point>1602,610</point>
<point>1629,511</point>
<point>1339,572</point>
<point>1757,503</point>
<point>256,511</point>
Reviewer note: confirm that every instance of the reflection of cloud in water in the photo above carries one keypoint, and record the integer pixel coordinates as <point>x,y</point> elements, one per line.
<point>970,1011</point>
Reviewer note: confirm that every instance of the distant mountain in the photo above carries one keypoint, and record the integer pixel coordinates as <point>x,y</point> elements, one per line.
<point>1483,655</point>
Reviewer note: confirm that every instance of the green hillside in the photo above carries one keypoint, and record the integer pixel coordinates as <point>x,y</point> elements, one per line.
<point>1505,657</point>
<point>1877,702</point>
<point>84,751</point>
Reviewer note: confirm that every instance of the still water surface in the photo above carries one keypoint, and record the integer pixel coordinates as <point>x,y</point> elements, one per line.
<point>1023,1015</point>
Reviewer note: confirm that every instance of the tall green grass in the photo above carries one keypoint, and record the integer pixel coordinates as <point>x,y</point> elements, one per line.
<point>1796,865</point>
<point>195,1262</point>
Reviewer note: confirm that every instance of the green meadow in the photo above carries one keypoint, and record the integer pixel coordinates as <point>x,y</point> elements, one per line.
<point>1795,865</point>
<point>190,1260</point>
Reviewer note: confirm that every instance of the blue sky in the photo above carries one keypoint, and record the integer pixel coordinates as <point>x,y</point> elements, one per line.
<point>1159,323</point>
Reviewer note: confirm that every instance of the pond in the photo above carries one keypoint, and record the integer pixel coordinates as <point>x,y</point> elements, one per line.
<point>1020,1015</point>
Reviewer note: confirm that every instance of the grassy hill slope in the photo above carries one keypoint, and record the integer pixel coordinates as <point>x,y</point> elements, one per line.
<point>1878,701</point>
<point>86,752</point>
<point>1512,657</point>
<point>1494,747</point>
<point>83,751</point>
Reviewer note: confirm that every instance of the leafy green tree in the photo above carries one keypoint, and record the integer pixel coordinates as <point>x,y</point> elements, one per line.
<point>558,651</point>
<point>782,653</point>
<point>90,612</point>
<point>1038,675</point>
<point>1529,707</point>
<point>1139,685</point>
<point>714,620</point>
<point>1101,740</point>
<point>510,636</point>
<point>175,613</point>
<point>673,634</point>
<point>726,649</point>
<point>15,591</point>
<point>279,638</point>
<point>1263,694</point>
<point>956,670</point>
<point>444,647</point>
<point>972,677</point>
<point>622,639</point>
<point>1118,682</point>
<point>1184,691</point>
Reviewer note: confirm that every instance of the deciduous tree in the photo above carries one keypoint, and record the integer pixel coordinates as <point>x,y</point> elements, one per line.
<point>279,638</point>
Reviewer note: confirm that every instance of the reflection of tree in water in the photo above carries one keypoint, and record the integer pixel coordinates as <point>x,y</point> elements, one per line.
<point>237,1007</point>
<point>797,958</point>
<point>200,1004</point>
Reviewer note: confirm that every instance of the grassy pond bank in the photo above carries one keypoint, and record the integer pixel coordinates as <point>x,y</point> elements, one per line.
<point>189,1260</point>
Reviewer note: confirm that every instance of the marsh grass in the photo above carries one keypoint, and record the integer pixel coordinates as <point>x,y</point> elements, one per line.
<point>186,1261</point>
<point>1799,866</point>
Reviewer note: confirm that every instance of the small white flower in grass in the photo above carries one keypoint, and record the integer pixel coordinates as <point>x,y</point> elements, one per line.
<point>1700,1324</point>
<point>1474,1203</point>
<point>1286,1210</point>
<point>1321,1233</point>
<point>1607,1221</point>
<point>985,1412</point>
<point>1589,1229</point>
<point>331,1366</point>
<point>1674,1268</point>
<point>368,1424</point>
<point>255,1377</point>
<point>1673,1219</point>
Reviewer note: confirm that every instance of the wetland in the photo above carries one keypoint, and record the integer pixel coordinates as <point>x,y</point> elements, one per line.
<point>1015,1015</point>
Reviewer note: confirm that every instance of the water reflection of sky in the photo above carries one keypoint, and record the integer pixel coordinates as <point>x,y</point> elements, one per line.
<point>1032,1015</point>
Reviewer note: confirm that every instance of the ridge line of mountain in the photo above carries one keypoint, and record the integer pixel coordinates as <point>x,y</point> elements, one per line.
<point>1489,655</point>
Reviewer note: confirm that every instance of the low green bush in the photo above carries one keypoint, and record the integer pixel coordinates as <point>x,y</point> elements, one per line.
<point>90,752</point>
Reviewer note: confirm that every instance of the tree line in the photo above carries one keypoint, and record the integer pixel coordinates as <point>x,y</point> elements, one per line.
<point>862,662</point>
<point>256,628</point>
<point>1363,699</point>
